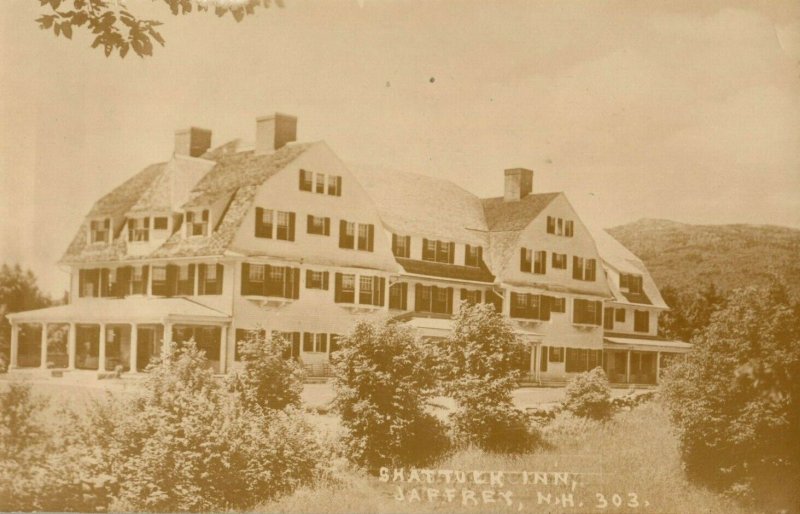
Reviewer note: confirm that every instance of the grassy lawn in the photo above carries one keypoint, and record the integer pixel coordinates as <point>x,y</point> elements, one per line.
<point>634,456</point>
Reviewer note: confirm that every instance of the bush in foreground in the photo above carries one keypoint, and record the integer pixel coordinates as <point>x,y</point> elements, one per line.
<point>186,444</point>
<point>478,367</point>
<point>736,400</point>
<point>588,394</point>
<point>383,381</point>
<point>267,378</point>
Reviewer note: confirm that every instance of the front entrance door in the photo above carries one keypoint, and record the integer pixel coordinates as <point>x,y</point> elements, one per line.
<point>145,346</point>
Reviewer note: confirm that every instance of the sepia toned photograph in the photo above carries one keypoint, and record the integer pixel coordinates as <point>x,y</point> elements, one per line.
<point>400,256</point>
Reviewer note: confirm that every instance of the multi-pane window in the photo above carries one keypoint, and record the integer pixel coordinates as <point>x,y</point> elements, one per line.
<point>315,343</point>
<point>306,180</point>
<point>587,312</point>
<point>531,261</point>
<point>197,223</point>
<point>160,223</point>
<point>433,299</point>
<point>401,246</point>
<point>558,304</point>
<point>209,279</point>
<point>438,251</point>
<point>472,297</point>
<point>316,182</point>
<point>139,229</point>
<point>371,290</point>
<point>89,282</point>
<point>530,306</point>
<point>264,222</point>
<point>556,354</point>
<point>347,235</point>
<point>641,321</point>
<point>159,285</point>
<point>584,269</point>
<point>631,283</point>
<point>185,284</point>
<point>319,183</point>
<point>345,288</point>
<point>318,225</point>
<point>398,296</point>
<point>267,280</point>
<point>285,226</point>
<point>100,230</point>
<point>334,185</point>
<point>139,280</point>
<point>559,260</point>
<point>560,226</point>
<point>540,262</point>
<point>473,255</point>
<point>316,279</point>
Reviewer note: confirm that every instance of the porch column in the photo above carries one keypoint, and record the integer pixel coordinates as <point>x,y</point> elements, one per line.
<point>658,367</point>
<point>14,346</point>
<point>43,348</point>
<point>134,347</point>
<point>71,345</point>
<point>628,369</point>
<point>223,349</point>
<point>534,360</point>
<point>167,334</point>
<point>101,357</point>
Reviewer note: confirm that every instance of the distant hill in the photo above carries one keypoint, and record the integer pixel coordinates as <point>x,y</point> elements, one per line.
<point>729,256</point>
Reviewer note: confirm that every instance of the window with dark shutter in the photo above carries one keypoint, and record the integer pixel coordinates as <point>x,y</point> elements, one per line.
<point>525,258</point>
<point>473,255</point>
<point>264,223</point>
<point>551,225</point>
<point>398,294</point>
<point>608,318</point>
<point>345,288</point>
<point>308,342</point>
<point>371,238</point>
<point>569,229</point>
<point>306,180</point>
<point>318,225</point>
<point>428,250</point>
<point>540,262</point>
<point>347,234</point>
<point>619,316</point>
<point>591,270</point>
<point>641,321</point>
<point>543,359</point>
<point>577,267</point>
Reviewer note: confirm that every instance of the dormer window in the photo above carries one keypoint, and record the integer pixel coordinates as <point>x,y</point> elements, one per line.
<point>630,283</point>
<point>438,251</point>
<point>100,230</point>
<point>197,223</point>
<point>401,246</point>
<point>473,256</point>
<point>160,223</point>
<point>139,229</point>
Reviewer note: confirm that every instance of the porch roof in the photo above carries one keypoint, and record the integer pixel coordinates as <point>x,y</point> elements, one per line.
<point>631,343</point>
<point>440,325</point>
<point>125,310</point>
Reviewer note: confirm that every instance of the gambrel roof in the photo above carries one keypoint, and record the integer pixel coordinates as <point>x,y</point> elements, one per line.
<point>233,176</point>
<point>406,203</point>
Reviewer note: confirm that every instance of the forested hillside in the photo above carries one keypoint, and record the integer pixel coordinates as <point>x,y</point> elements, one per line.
<point>686,256</point>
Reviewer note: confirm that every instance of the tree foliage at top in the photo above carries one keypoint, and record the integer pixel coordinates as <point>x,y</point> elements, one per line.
<point>18,292</point>
<point>690,311</point>
<point>116,28</point>
<point>736,400</point>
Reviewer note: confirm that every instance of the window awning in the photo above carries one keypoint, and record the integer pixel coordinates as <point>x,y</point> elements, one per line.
<point>652,345</point>
<point>124,310</point>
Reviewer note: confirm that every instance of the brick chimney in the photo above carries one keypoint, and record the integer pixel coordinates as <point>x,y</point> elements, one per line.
<point>519,183</point>
<point>274,131</point>
<point>192,141</point>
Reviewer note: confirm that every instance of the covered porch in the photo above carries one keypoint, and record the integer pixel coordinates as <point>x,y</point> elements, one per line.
<point>630,360</point>
<point>101,335</point>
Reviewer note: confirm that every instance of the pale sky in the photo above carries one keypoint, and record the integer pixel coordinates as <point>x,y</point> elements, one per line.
<point>634,109</point>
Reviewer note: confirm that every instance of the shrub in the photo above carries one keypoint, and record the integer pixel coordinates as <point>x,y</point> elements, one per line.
<point>478,367</point>
<point>383,379</point>
<point>42,468</point>
<point>589,395</point>
<point>736,400</point>
<point>268,379</point>
<point>187,444</point>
